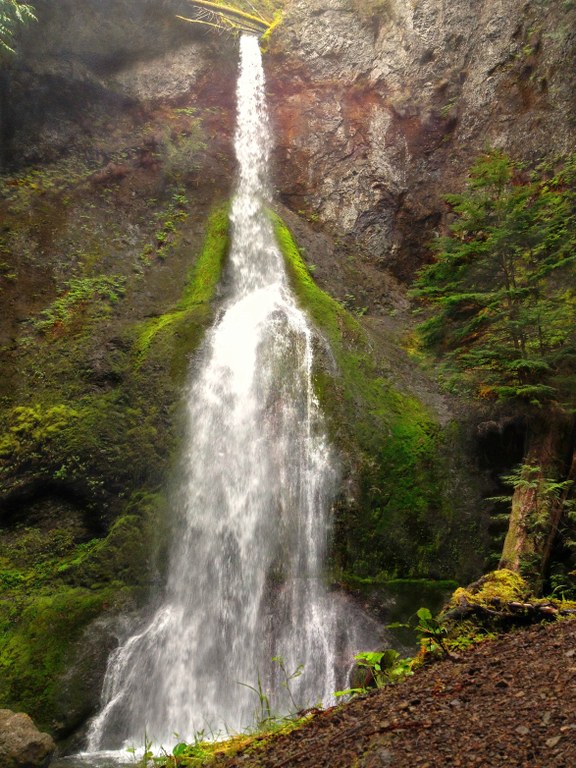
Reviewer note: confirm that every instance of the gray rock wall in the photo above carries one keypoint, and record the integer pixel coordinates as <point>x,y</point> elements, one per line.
<point>382,105</point>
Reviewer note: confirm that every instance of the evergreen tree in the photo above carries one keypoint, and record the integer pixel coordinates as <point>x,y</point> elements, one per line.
<point>502,294</point>
<point>503,288</point>
<point>12,15</point>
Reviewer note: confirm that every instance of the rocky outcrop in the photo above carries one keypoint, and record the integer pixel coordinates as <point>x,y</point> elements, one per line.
<point>21,743</point>
<point>382,105</point>
<point>89,62</point>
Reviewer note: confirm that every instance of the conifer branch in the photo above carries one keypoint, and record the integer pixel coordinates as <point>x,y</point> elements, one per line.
<point>226,18</point>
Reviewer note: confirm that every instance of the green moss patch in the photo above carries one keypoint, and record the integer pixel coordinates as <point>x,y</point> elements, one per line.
<point>182,327</point>
<point>502,586</point>
<point>86,444</point>
<point>52,587</point>
<point>35,652</point>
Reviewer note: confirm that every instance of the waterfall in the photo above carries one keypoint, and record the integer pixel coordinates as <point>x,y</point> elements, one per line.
<point>245,581</point>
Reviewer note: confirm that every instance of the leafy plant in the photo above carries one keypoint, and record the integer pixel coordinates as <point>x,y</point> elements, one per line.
<point>147,754</point>
<point>432,633</point>
<point>387,667</point>
<point>80,292</point>
<point>531,477</point>
<point>288,677</point>
<point>264,711</point>
<point>384,668</point>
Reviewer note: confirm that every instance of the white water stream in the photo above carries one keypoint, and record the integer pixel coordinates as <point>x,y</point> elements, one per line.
<point>245,578</point>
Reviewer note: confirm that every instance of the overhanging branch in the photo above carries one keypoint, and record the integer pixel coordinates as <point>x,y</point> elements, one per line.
<point>226,18</point>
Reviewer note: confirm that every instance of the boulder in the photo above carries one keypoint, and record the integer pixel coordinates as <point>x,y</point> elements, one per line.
<point>21,743</point>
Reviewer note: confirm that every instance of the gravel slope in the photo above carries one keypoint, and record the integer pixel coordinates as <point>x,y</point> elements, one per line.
<point>503,704</point>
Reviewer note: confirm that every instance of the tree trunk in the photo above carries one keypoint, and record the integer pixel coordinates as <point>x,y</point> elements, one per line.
<point>539,496</point>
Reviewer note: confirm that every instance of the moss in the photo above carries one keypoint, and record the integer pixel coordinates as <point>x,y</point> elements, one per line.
<point>184,325</point>
<point>52,588</point>
<point>400,521</point>
<point>502,586</point>
<point>97,293</point>
<point>97,413</point>
<point>203,753</point>
<point>265,38</point>
<point>123,556</point>
<point>499,601</point>
<point>35,643</point>
<point>76,447</point>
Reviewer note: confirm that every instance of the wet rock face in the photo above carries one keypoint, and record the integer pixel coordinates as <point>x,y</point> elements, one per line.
<point>87,61</point>
<point>382,105</point>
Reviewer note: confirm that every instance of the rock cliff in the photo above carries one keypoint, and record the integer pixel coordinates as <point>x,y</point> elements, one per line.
<point>381,106</point>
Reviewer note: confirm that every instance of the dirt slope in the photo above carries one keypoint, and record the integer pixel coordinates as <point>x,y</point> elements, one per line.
<point>508,703</point>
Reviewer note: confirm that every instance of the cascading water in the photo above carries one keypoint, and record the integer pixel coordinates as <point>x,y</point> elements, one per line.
<point>245,579</point>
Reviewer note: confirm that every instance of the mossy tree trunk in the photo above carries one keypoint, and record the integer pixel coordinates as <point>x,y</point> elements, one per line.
<point>542,487</point>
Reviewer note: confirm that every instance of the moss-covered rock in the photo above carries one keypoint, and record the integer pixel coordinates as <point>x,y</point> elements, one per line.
<point>398,514</point>
<point>86,444</point>
<point>501,586</point>
<point>497,601</point>
<point>36,639</point>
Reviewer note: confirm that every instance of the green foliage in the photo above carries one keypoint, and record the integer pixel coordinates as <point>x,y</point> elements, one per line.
<point>288,677</point>
<point>53,583</point>
<point>78,445</point>
<point>204,750</point>
<point>530,477</point>
<point>501,586</point>
<point>386,667</point>
<point>142,760</point>
<point>431,631</point>
<point>32,430</point>
<point>166,234</point>
<point>502,290</point>
<point>263,714</point>
<point>12,15</point>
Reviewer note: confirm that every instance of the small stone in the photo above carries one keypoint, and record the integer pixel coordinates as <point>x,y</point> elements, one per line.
<point>546,717</point>
<point>570,653</point>
<point>456,703</point>
<point>553,741</point>
<point>523,730</point>
<point>385,756</point>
